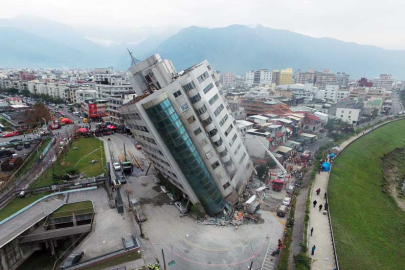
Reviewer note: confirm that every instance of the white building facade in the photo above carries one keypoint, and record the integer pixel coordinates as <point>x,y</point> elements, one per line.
<point>187,132</point>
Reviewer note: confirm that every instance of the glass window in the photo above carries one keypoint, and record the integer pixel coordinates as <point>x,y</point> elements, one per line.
<point>202,77</point>
<point>191,119</point>
<point>195,98</point>
<point>213,99</point>
<point>218,110</point>
<point>228,130</point>
<point>223,120</point>
<point>177,94</point>
<point>215,165</point>
<point>208,88</point>
<point>188,86</point>
<point>197,131</point>
<point>184,107</point>
<point>226,185</point>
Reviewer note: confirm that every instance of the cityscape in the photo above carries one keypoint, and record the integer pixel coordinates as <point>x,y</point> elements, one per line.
<point>214,165</point>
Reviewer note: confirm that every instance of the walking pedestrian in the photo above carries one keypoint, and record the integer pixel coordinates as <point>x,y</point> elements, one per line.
<point>318,191</point>
<point>313,250</point>
<point>324,196</point>
<point>320,207</point>
<point>314,203</point>
<point>312,230</point>
<point>326,206</point>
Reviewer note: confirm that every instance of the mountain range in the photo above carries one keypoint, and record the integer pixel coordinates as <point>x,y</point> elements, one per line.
<point>36,42</point>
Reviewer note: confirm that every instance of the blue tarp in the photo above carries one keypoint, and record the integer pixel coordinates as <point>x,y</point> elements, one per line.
<point>332,155</point>
<point>326,166</point>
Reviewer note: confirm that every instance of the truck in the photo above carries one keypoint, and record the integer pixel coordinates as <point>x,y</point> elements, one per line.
<point>126,165</point>
<point>277,184</point>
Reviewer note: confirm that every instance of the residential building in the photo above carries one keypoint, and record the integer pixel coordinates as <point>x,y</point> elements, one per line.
<point>228,79</point>
<point>187,132</point>
<point>95,108</point>
<point>286,76</point>
<point>323,78</point>
<point>342,79</point>
<point>258,77</point>
<point>305,77</point>
<point>385,81</point>
<point>348,115</point>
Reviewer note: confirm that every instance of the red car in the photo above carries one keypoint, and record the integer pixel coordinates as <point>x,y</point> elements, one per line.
<point>11,134</point>
<point>138,146</point>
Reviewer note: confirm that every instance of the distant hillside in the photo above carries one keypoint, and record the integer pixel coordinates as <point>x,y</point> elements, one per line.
<point>240,48</point>
<point>22,49</point>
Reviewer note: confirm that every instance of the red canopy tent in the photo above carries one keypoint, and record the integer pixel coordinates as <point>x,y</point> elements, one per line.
<point>66,121</point>
<point>82,130</point>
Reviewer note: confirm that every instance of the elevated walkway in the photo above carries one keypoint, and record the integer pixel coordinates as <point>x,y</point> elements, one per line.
<point>40,234</point>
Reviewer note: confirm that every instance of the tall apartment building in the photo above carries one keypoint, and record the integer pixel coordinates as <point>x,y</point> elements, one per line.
<point>228,79</point>
<point>342,79</point>
<point>322,79</point>
<point>305,77</point>
<point>282,77</point>
<point>187,132</point>
<point>258,77</point>
<point>384,81</point>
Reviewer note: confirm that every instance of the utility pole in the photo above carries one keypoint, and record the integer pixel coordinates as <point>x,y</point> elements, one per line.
<point>164,262</point>
<point>251,265</point>
<point>125,152</point>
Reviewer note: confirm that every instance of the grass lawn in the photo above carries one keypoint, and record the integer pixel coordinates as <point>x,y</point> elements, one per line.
<point>88,149</point>
<point>33,158</point>
<point>368,225</point>
<point>123,259</point>
<point>18,204</point>
<point>77,208</point>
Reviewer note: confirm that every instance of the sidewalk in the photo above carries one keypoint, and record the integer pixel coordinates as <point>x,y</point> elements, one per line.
<point>323,259</point>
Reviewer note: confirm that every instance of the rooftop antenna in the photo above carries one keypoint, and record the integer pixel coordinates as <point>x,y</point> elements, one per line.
<point>134,61</point>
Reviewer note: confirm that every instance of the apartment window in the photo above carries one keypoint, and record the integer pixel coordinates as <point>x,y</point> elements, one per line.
<point>226,185</point>
<point>208,88</point>
<point>242,158</point>
<point>350,112</point>
<point>343,111</point>
<point>143,128</point>
<point>223,153</point>
<point>349,116</point>
<point>233,139</point>
<point>191,119</point>
<point>197,131</point>
<point>177,94</point>
<point>218,110</point>
<point>207,121</point>
<point>189,86</point>
<point>215,165</point>
<point>237,149</point>
<point>202,77</point>
<point>201,110</point>
<point>184,107</point>
<point>341,116</point>
<point>223,120</point>
<point>195,98</point>
<point>213,99</point>
<point>228,130</point>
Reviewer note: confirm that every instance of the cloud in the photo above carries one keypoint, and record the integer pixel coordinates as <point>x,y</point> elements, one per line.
<point>361,21</point>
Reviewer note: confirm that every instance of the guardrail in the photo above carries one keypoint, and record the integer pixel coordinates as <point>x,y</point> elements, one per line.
<point>329,217</point>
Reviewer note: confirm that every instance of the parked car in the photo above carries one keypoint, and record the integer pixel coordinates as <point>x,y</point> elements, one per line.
<point>19,147</point>
<point>122,179</point>
<point>156,180</point>
<point>140,215</point>
<point>138,146</point>
<point>182,209</point>
<point>163,188</point>
<point>286,201</point>
<point>129,242</point>
<point>15,140</point>
<point>73,259</point>
<point>282,210</point>
<point>117,166</point>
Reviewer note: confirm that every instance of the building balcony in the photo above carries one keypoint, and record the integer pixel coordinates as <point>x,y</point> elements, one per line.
<point>204,116</point>
<point>209,127</point>
<point>219,146</point>
<point>192,92</point>
<point>215,138</point>
<point>225,159</point>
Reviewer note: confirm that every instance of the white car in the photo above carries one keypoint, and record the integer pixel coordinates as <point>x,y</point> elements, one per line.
<point>182,209</point>
<point>163,188</point>
<point>286,201</point>
<point>117,166</point>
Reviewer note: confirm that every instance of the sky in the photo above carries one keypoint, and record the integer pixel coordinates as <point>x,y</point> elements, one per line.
<point>373,22</point>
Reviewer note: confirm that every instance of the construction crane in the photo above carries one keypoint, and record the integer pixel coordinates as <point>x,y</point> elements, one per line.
<point>134,61</point>
<point>278,183</point>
